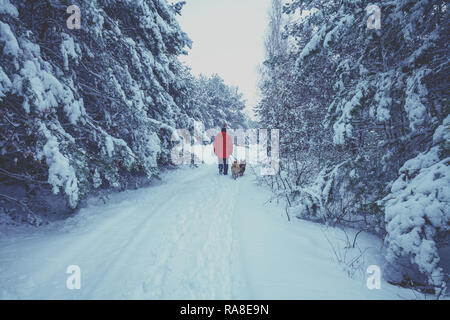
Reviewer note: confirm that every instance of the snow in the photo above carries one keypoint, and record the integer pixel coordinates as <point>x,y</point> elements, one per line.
<point>38,77</point>
<point>7,8</point>
<point>74,109</point>
<point>7,38</point>
<point>442,133</point>
<point>418,211</point>
<point>5,83</point>
<point>97,179</point>
<point>334,34</point>
<point>109,144</point>
<point>415,90</point>
<point>382,98</point>
<point>342,127</point>
<point>48,91</point>
<point>311,46</point>
<point>68,49</point>
<point>60,172</point>
<point>193,235</point>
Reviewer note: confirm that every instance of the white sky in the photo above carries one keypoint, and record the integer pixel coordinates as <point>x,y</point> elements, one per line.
<point>227,38</point>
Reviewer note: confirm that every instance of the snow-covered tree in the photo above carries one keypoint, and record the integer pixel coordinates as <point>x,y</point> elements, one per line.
<point>214,103</point>
<point>371,100</point>
<point>90,108</point>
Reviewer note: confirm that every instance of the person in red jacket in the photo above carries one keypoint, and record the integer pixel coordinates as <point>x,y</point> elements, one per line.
<point>223,148</point>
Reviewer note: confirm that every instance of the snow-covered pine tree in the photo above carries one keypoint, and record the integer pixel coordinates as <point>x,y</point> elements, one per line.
<point>382,94</point>
<point>211,101</point>
<point>89,108</point>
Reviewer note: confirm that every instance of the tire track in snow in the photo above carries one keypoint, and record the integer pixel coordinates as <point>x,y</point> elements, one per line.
<point>172,243</point>
<point>96,250</point>
<point>60,256</point>
<point>195,262</point>
<point>128,254</point>
<point>138,248</point>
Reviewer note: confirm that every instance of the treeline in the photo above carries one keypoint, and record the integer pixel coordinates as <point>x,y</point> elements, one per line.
<point>94,108</point>
<point>365,126</point>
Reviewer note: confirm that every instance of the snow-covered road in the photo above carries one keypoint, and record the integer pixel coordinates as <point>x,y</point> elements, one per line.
<point>194,235</point>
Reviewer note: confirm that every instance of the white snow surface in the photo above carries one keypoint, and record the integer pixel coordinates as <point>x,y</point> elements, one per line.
<point>7,8</point>
<point>193,235</point>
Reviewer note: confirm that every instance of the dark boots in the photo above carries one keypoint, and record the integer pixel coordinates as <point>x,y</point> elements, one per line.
<point>223,167</point>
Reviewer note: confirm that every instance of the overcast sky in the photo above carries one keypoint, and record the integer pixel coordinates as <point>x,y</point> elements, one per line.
<point>227,38</point>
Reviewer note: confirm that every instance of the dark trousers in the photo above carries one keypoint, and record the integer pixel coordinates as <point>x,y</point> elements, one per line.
<point>223,166</point>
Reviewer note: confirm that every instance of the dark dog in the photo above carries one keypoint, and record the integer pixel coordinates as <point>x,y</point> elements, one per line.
<point>242,167</point>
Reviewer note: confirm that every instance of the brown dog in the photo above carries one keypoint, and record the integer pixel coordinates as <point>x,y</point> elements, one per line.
<point>235,170</point>
<point>242,167</point>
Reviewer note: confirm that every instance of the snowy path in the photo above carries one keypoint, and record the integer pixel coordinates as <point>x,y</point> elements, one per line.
<point>195,235</point>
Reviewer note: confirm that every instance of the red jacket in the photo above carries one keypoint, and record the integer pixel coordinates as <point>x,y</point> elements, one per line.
<point>223,145</point>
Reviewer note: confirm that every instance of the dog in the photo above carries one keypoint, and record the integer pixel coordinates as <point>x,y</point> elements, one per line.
<point>235,170</point>
<point>242,167</point>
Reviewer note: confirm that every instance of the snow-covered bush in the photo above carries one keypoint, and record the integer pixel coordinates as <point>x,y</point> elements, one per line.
<point>418,211</point>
